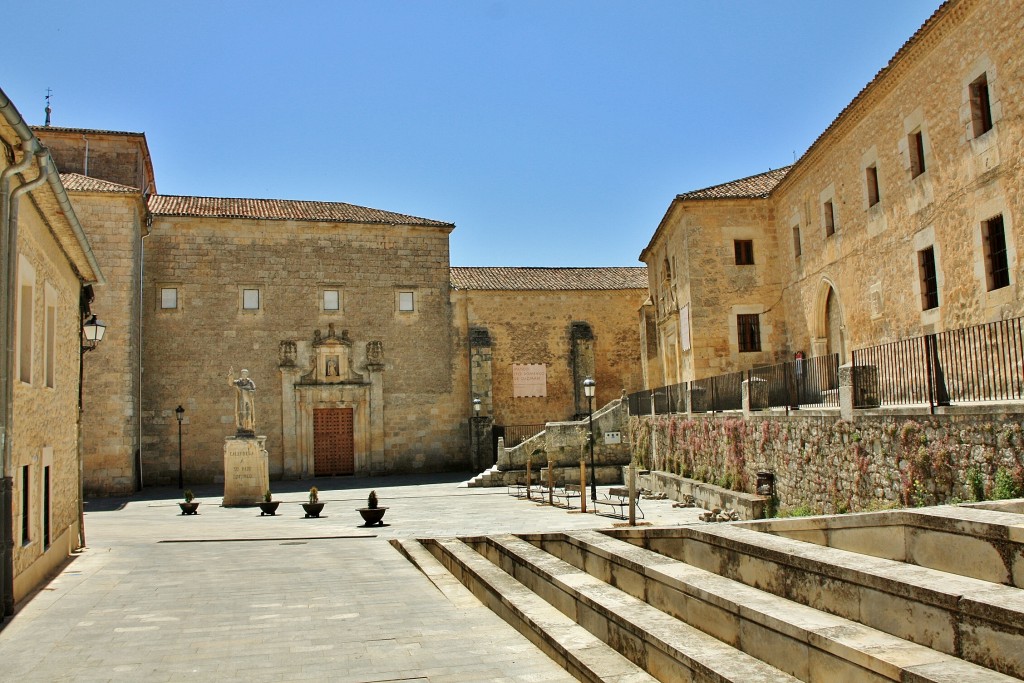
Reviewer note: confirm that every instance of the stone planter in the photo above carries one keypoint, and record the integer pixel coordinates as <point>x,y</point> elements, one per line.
<point>189,508</point>
<point>313,509</point>
<point>372,516</point>
<point>269,508</point>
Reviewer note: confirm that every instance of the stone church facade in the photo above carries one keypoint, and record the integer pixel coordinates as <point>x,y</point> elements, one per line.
<point>356,330</point>
<point>902,219</point>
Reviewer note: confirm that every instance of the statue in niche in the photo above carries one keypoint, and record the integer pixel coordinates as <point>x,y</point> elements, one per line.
<point>332,367</point>
<point>245,403</point>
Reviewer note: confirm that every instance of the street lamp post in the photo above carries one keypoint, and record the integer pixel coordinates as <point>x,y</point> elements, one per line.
<point>589,386</point>
<point>180,412</point>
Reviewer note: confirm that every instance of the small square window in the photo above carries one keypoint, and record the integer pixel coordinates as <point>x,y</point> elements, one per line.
<point>744,252</point>
<point>981,106</point>
<point>406,301</point>
<point>169,297</point>
<point>929,281</point>
<point>796,241</point>
<point>915,146</point>
<point>748,333</point>
<point>997,262</point>
<point>250,299</point>
<point>871,178</point>
<point>829,213</point>
<point>332,300</point>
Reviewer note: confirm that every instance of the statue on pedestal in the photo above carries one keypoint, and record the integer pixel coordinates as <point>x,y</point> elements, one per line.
<point>245,403</point>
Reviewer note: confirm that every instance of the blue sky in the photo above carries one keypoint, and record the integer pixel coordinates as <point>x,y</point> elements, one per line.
<point>550,132</point>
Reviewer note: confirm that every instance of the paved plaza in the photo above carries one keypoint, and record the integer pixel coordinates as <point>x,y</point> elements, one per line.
<point>228,595</point>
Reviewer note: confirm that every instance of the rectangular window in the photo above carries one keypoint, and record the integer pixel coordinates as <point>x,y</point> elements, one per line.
<point>25,334</point>
<point>929,281</point>
<point>915,147</point>
<point>744,252</point>
<point>169,297</point>
<point>829,213</point>
<point>25,517</point>
<point>796,241</point>
<point>406,301</point>
<point>332,300</point>
<point>871,178</point>
<point>748,333</point>
<point>46,507</point>
<point>250,299</point>
<point>997,264</point>
<point>981,106</point>
<point>51,342</point>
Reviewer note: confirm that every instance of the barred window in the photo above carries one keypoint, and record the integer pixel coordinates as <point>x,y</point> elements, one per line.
<point>748,332</point>
<point>997,265</point>
<point>929,281</point>
<point>981,106</point>
<point>744,252</point>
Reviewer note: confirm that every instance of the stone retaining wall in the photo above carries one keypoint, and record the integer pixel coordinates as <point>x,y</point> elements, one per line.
<point>832,465</point>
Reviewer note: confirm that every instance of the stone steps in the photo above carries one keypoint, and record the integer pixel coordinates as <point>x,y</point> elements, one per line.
<point>492,476</point>
<point>971,619</point>
<point>724,603</point>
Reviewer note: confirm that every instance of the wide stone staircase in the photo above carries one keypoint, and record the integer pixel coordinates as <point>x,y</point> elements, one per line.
<point>729,602</point>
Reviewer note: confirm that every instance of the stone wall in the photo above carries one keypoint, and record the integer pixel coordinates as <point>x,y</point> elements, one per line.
<point>189,349</point>
<point>826,464</point>
<point>110,429</point>
<point>45,421</point>
<point>536,327</point>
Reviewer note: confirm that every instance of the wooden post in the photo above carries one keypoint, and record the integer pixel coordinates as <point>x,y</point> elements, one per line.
<point>632,493</point>
<point>551,481</point>
<point>529,461</point>
<point>583,485</point>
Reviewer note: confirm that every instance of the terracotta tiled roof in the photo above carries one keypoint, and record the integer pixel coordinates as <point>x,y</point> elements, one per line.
<point>41,130</point>
<point>279,210</point>
<point>752,187</point>
<point>549,278</point>
<point>75,182</point>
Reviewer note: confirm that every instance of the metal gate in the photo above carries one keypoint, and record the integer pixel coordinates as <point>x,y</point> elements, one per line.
<point>333,447</point>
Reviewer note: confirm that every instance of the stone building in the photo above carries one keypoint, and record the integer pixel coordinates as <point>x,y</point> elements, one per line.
<point>536,333</point>
<point>366,347</point>
<point>46,263</point>
<point>902,218</point>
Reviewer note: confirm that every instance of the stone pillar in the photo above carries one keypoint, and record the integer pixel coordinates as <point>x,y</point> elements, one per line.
<point>480,442</point>
<point>480,369</point>
<point>755,395</point>
<point>376,371</point>
<point>504,460</point>
<point>290,374</point>
<point>846,392</point>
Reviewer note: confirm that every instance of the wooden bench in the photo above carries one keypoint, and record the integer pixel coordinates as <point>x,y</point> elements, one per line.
<point>617,498</point>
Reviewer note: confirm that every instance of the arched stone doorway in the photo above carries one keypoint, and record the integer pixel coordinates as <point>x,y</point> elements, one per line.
<point>829,327</point>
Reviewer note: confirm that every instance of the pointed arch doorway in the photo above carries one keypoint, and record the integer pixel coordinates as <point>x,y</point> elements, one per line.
<point>829,326</point>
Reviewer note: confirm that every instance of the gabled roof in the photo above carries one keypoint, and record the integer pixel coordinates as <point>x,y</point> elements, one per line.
<point>91,131</point>
<point>752,187</point>
<point>76,182</point>
<point>280,210</point>
<point>498,278</point>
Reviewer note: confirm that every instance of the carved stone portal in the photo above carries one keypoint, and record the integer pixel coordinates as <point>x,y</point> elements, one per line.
<point>332,357</point>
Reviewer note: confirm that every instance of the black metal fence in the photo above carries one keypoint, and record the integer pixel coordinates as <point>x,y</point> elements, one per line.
<point>972,364</point>
<point>516,434</point>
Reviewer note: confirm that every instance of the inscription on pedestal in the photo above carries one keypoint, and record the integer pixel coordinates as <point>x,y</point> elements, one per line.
<point>246,475</point>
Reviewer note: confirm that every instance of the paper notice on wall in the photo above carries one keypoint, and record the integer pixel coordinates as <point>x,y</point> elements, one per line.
<point>684,328</point>
<point>529,380</point>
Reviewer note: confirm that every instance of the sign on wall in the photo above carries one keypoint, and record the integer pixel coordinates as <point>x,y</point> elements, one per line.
<point>529,380</point>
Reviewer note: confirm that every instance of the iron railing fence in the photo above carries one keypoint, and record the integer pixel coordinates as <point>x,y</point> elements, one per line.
<point>718,393</point>
<point>972,364</point>
<point>805,382</point>
<point>516,434</point>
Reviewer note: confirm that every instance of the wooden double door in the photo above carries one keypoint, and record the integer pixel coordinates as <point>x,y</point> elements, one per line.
<point>333,442</point>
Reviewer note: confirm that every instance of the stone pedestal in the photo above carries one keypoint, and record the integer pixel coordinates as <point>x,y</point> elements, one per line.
<point>246,475</point>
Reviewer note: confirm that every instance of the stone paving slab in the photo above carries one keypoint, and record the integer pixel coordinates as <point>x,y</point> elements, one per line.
<point>228,595</point>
